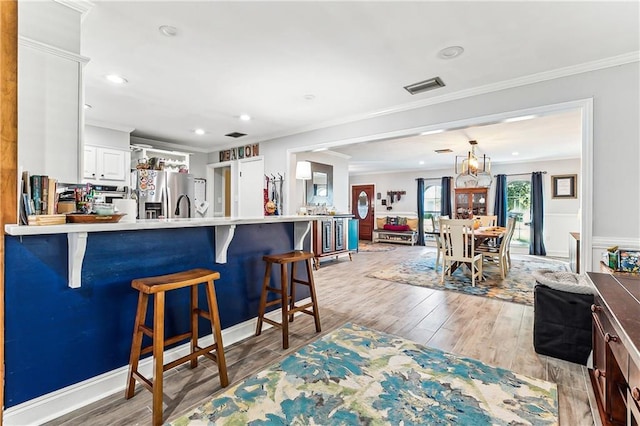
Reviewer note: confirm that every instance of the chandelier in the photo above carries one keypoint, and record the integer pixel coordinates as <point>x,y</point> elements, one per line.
<point>471,171</point>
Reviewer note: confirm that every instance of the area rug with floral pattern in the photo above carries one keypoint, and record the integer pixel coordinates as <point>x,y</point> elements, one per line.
<point>516,287</point>
<point>359,376</point>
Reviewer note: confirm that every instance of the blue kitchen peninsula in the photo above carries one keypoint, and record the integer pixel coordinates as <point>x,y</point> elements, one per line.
<point>70,306</point>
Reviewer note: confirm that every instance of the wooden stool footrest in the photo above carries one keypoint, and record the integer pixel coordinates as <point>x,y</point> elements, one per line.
<point>273,302</point>
<point>167,342</point>
<point>193,355</point>
<point>301,309</point>
<point>203,314</point>
<point>272,322</point>
<point>299,281</point>
<point>147,330</point>
<point>143,380</point>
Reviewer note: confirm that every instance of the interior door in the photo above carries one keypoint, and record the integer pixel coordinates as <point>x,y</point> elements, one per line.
<point>362,207</point>
<point>250,187</point>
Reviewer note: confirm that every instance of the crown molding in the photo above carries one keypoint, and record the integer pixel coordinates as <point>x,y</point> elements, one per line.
<point>613,61</point>
<point>110,126</point>
<point>56,51</point>
<point>158,144</point>
<point>82,6</point>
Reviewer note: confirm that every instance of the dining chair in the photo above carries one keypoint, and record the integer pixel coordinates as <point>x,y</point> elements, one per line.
<point>458,248</point>
<point>485,221</point>
<point>500,254</point>
<point>438,240</point>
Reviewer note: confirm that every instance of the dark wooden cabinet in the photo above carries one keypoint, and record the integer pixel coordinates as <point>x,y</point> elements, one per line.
<point>470,202</point>
<point>329,238</point>
<point>616,337</point>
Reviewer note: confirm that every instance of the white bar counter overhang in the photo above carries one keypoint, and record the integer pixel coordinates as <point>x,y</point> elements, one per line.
<point>224,228</point>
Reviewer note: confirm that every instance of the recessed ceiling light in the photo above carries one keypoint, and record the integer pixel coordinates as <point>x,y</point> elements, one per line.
<point>515,153</point>
<point>432,132</point>
<point>117,79</point>
<point>309,97</point>
<point>87,106</point>
<point>199,131</point>
<point>245,117</point>
<point>319,149</point>
<point>450,52</point>
<point>168,30</point>
<point>522,118</point>
<point>421,162</point>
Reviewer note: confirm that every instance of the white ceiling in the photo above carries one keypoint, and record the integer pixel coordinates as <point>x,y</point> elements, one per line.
<point>264,58</point>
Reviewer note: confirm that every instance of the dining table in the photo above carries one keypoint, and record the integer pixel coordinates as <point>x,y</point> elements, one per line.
<point>480,235</point>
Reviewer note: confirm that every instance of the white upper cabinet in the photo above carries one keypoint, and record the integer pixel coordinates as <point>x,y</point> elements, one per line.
<point>105,165</point>
<point>90,163</point>
<point>106,154</point>
<point>49,90</point>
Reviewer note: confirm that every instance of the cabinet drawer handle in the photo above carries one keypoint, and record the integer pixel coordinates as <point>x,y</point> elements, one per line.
<point>610,337</point>
<point>598,373</point>
<point>596,308</point>
<point>635,393</point>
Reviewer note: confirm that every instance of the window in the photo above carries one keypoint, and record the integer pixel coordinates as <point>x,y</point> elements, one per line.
<point>431,205</point>
<point>518,206</point>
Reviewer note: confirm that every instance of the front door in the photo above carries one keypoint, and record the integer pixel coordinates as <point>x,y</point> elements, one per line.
<point>362,207</point>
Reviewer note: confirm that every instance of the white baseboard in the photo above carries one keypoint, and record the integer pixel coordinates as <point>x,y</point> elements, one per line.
<point>58,403</point>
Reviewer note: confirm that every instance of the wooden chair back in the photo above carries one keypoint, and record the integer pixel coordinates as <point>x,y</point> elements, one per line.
<point>457,239</point>
<point>506,240</point>
<point>490,220</point>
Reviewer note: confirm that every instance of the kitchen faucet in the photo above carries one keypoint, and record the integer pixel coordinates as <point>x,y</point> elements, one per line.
<point>177,212</point>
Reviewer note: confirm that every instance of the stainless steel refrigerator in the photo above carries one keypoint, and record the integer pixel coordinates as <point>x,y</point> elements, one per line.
<point>164,194</point>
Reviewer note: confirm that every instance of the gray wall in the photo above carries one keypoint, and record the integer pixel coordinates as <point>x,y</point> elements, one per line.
<point>616,150</point>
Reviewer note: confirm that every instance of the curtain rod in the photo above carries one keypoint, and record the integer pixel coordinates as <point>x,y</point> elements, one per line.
<point>436,178</point>
<point>522,174</point>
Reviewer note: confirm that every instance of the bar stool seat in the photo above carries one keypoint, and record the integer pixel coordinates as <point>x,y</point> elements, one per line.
<point>286,300</point>
<point>157,286</point>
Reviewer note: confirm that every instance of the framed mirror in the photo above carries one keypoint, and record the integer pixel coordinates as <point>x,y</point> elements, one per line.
<point>320,186</point>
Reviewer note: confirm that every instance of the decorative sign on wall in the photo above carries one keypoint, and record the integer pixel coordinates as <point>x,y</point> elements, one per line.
<point>240,152</point>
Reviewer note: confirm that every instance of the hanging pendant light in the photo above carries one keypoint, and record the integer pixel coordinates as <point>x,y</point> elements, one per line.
<point>471,171</point>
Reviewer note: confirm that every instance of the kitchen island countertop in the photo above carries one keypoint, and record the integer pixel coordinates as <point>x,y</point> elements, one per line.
<point>16,230</point>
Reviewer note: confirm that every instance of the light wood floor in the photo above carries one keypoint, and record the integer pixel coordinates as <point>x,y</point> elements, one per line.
<point>495,332</point>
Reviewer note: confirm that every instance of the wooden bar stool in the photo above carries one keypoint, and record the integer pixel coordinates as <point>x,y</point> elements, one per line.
<point>158,286</point>
<point>285,300</point>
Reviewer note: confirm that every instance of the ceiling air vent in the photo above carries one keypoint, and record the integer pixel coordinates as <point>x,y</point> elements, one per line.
<point>236,135</point>
<point>443,151</point>
<point>423,86</point>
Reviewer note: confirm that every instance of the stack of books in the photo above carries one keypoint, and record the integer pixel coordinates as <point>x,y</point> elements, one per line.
<point>39,201</point>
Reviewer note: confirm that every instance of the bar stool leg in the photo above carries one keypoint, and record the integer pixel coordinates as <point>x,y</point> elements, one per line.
<point>285,305</point>
<point>263,297</point>
<point>214,318</point>
<point>158,356</point>
<point>136,343</point>
<point>194,324</point>
<point>292,284</point>
<point>314,299</point>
